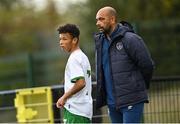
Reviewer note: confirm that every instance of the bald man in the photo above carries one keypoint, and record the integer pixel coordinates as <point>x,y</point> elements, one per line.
<point>123,68</point>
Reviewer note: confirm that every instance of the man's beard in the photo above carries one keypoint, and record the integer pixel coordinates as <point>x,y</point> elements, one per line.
<point>107,30</point>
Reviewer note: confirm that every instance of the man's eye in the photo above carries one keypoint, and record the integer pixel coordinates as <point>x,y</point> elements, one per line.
<point>101,19</point>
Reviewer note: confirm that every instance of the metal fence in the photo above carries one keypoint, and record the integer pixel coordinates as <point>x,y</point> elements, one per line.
<point>164,105</point>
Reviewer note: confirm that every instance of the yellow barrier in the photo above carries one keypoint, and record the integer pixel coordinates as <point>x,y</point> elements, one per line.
<point>34,105</point>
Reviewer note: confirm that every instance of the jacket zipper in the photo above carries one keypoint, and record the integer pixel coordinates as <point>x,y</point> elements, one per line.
<point>113,90</point>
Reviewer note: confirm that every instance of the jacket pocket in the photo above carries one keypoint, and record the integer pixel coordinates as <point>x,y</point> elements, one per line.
<point>138,80</point>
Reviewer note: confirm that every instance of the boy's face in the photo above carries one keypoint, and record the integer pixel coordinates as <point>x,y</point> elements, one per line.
<point>66,42</point>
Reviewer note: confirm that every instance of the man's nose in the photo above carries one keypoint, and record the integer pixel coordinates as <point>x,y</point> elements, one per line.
<point>97,23</point>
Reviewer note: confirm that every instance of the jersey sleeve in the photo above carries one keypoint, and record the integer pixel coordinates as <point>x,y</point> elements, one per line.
<point>76,70</point>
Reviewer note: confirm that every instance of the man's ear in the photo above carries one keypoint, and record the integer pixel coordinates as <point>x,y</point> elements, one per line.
<point>113,19</point>
<point>75,40</point>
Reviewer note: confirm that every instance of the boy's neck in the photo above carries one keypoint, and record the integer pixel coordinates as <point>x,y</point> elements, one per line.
<point>76,48</point>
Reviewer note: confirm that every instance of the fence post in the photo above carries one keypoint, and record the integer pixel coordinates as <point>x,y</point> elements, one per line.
<point>30,71</point>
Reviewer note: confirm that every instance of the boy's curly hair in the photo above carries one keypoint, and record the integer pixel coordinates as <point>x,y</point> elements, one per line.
<point>72,29</point>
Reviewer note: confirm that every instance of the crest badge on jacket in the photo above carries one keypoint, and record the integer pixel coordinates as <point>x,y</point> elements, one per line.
<point>119,46</point>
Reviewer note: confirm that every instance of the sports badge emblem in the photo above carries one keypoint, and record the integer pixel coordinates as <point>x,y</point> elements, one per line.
<point>119,46</point>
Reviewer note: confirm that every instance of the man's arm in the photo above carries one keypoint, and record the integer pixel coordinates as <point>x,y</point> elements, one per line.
<point>79,85</point>
<point>140,55</point>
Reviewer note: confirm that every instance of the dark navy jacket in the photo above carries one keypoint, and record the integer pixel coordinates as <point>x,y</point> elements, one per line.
<point>131,68</point>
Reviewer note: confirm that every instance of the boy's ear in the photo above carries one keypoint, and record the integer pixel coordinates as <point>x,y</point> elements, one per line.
<point>75,40</point>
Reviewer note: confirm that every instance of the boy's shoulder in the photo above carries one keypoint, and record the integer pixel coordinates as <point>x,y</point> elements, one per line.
<point>77,56</point>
